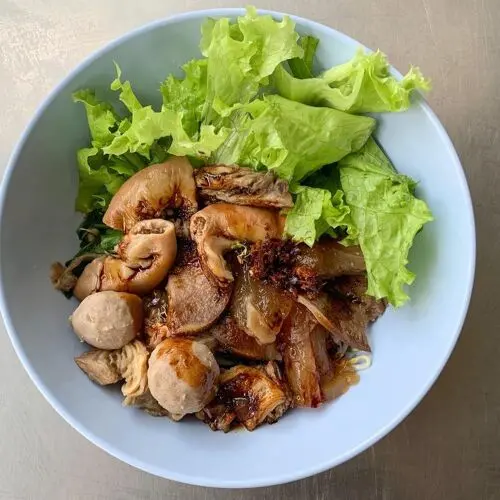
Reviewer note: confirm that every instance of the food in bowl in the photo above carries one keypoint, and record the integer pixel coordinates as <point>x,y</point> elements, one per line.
<point>238,242</point>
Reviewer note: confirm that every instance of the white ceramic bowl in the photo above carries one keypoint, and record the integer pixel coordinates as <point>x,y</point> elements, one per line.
<point>410,345</point>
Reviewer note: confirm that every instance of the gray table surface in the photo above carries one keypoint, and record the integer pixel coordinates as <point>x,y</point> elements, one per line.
<point>449,447</point>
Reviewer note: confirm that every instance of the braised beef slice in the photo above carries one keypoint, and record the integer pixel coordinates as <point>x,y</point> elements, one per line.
<point>354,311</point>
<point>232,339</point>
<point>296,347</point>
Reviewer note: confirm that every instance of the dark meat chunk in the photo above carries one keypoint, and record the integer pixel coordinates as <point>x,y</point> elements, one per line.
<point>273,261</point>
<point>232,339</point>
<point>247,395</point>
<point>296,347</point>
<point>353,288</point>
<point>242,186</point>
<point>347,314</point>
<point>329,259</point>
<point>300,269</point>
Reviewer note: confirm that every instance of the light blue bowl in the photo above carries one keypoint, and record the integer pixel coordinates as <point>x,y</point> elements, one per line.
<point>410,345</point>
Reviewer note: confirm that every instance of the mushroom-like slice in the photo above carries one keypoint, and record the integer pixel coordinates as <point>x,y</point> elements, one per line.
<point>258,308</point>
<point>242,186</point>
<point>145,255</point>
<point>329,259</point>
<point>109,367</point>
<point>99,367</point>
<point>194,302</point>
<point>182,375</point>
<point>246,395</point>
<point>232,339</point>
<point>348,316</point>
<point>216,228</point>
<point>108,320</point>
<point>295,344</point>
<point>151,192</point>
<point>64,278</point>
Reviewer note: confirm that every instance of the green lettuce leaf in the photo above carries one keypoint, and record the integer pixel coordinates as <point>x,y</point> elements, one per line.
<point>363,84</point>
<point>127,95</point>
<point>187,96</point>
<point>241,57</point>
<point>315,212</point>
<point>148,126</point>
<point>386,215</point>
<point>101,117</point>
<point>302,67</point>
<point>97,181</point>
<point>294,140</point>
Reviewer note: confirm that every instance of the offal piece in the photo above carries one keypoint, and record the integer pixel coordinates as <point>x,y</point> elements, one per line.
<point>152,191</point>
<point>247,395</point>
<point>217,228</point>
<point>182,375</point>
<point>347,313</point>
<point>145,255</point>
<point>296,347</point>
<point>242,186</point>
<point>109,367</point>
<point>108,320</point>
<point>194,302</point>
<point>233,340</point>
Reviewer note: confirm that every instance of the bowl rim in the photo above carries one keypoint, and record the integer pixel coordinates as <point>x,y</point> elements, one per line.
<point>201,480</point>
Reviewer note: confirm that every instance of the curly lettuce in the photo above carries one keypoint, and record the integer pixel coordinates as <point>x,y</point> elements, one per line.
<point>362,85</point>
<point>293,139</point>
<point>302,67</point>
<point>316,211</point>
<point>241,56</point>
<point>386,215</point>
